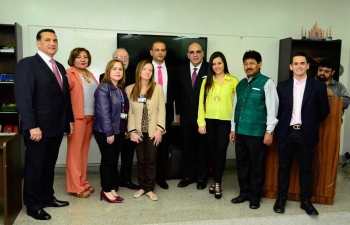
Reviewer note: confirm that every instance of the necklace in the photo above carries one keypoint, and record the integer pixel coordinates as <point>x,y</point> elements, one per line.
<point>85,75</point>
<point>217,97</point>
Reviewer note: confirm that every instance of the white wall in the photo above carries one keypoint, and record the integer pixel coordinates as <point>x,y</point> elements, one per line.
<point>221,21</point>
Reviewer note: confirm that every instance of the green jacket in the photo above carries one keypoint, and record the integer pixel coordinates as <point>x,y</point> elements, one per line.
<point>250,111</point>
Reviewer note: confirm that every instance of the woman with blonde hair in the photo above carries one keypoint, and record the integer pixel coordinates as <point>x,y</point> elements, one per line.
<point>146,125</point>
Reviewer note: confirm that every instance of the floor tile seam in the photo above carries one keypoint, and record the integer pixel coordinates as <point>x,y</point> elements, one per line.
<point>339,189</point>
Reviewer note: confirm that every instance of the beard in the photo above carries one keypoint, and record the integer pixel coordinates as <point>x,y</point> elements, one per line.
<point>322,78</point>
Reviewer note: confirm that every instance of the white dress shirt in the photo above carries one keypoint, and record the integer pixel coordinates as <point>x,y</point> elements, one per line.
<point>298,93</point>
<point>192,68</point>
<point>46,59</point>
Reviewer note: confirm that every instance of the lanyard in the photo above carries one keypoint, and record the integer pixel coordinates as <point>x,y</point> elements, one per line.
<point>121,99</point>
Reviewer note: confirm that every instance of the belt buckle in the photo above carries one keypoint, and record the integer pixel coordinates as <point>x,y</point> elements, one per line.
<point>296,127</point>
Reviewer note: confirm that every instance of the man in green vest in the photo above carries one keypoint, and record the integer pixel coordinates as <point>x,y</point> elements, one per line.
<point>252,125</point>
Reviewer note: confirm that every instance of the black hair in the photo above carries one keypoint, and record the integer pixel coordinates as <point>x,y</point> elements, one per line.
<point>210,75</point>
<point>38,35</point>
<point>329,63</point>
<point>300,54</point>
<point>251,54</point>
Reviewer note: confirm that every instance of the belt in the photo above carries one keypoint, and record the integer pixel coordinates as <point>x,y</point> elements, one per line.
<point>296,126</point>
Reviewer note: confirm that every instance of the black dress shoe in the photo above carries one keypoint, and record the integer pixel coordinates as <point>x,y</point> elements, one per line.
<point>163,184</point>
<point>185,182</point>
<point>130,185</point>
<point>56,203</point>
<point>39,214</point>
<point>279,205</point>
<point>201,185</point>
<point>239,199</point>
<point>309,208</point>
<point>254,204</point>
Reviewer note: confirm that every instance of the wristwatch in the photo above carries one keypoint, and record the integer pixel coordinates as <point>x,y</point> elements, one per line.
<point>270,132</point>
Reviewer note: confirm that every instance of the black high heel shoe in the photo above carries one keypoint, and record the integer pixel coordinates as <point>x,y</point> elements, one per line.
<point>218,191</point>
<point>212,187</point>
<point>104,196</point>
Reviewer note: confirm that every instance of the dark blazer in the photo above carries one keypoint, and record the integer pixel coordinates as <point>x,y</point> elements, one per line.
<point>314,109</point>
<point>107,109</point>
<point>40,100</point>
<point>188,97</point>
<point>171,94</point>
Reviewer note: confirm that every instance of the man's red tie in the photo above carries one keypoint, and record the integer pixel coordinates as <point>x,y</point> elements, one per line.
<point>194,76</point>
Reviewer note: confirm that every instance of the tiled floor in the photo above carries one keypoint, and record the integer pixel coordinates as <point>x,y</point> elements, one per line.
<point>188,206</point>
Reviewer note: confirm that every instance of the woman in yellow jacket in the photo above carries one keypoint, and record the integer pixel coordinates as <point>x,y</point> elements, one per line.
<point>214,115</point>
<point>146,125</point>
<point>82,85</point>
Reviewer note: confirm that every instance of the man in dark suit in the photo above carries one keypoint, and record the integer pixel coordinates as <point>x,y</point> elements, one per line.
<point>165,75</point>
<point>128,149</point>
<point>43,101</point>
<point>194,154</point>
<point>303,104</point>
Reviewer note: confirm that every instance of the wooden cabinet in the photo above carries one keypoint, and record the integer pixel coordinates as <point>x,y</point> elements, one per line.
<point>316,50</point>
<point>9,34</point>
<point>10,177</point>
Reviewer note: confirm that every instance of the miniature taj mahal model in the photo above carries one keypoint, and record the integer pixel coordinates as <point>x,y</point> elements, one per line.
<point>316,33</point>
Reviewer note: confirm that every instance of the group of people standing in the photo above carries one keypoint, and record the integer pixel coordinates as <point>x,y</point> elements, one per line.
<point>126,112</point>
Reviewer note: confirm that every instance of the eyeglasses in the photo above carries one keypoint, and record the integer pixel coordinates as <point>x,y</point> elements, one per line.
<point>122,57</point>
<point>250,64</point>
<point>197,52</point>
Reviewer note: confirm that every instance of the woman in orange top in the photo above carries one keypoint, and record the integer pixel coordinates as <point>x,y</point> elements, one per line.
<point>82,85</point>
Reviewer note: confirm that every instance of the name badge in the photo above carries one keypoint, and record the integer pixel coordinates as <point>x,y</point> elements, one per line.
<point>256,89</point>
<point>141,99</point>
<point>123,116</point>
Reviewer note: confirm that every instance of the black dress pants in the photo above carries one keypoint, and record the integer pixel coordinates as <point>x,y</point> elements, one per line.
<point>250,161</point>
<point>163,152</point>
<point>217,139</point>
<point>40,161</point>
<point>286,150</point>
<point>127,157</point>
<point>109,174</point>
<point>194,154</point>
